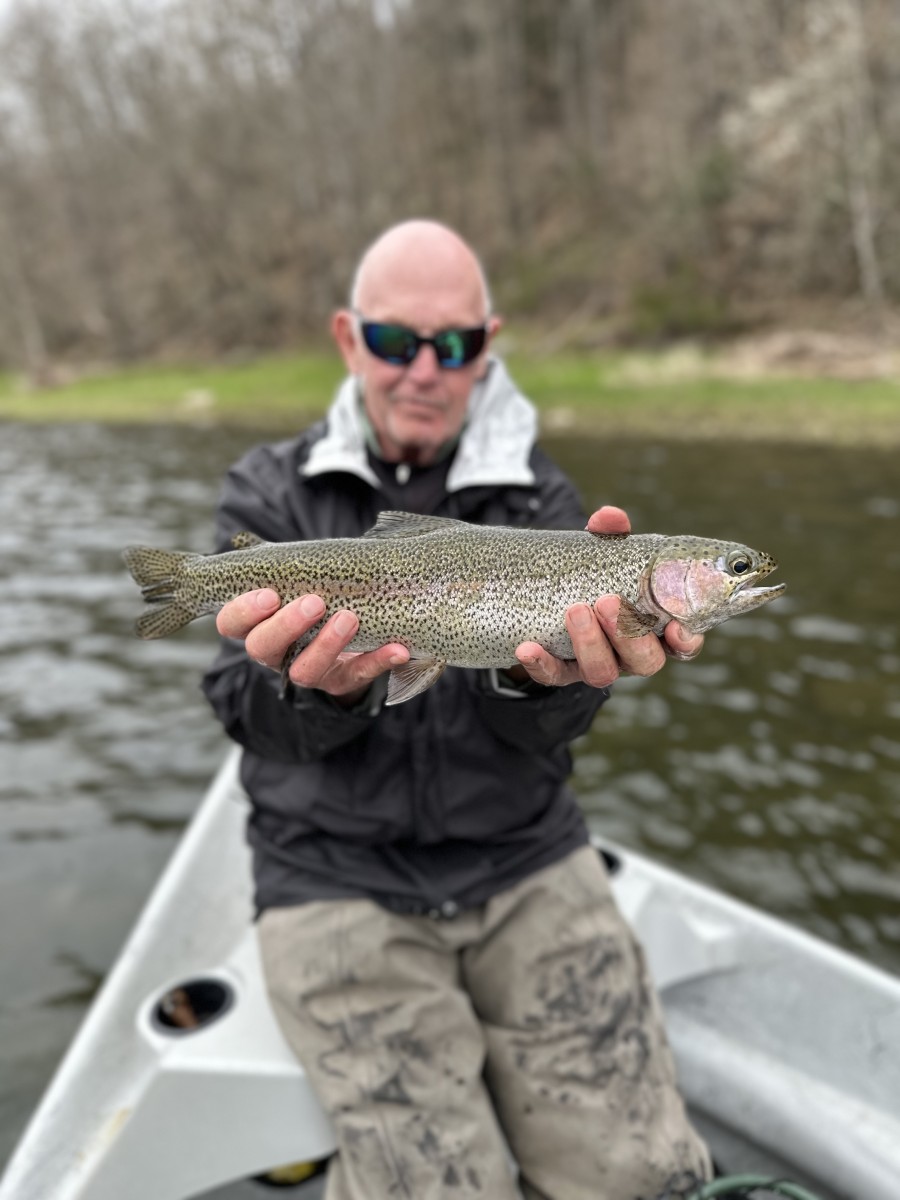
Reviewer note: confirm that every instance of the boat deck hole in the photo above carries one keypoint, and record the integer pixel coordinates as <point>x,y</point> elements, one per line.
<point>191,1006</point>
<point>611,861</point>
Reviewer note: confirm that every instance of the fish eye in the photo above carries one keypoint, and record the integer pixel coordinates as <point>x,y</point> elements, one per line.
<point>739,564</point>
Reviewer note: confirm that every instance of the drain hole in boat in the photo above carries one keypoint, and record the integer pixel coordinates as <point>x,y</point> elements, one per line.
<point>191,1006</point>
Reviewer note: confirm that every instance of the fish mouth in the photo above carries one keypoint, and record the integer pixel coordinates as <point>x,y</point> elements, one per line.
<point>746,595</point>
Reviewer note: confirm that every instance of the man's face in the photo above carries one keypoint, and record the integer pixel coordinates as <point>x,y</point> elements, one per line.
<point>415,409</point>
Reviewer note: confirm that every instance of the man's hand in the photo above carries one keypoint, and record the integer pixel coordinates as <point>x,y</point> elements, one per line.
<point>269,631</point>
<point>600,655</point>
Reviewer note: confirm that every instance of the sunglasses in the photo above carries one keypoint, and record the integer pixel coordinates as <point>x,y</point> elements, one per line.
<point>399,345</point>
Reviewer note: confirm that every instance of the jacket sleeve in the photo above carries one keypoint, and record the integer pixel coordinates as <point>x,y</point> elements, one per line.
<point>538,719</point>
<point>306,724</point>
<point>303,726</point>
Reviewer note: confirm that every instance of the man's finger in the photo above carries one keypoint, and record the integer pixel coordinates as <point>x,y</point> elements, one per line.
<point>268,642</point>
<point>595,656</point>
<point>680,644</point>
<point>639,656</point>
<point>356,673</point>
<point>245,612</point>
<point>544,668</point>
<point>314,662</point>
<point>609,519</point>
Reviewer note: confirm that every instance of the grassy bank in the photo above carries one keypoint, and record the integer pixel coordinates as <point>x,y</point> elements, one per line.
<point>574,391</point>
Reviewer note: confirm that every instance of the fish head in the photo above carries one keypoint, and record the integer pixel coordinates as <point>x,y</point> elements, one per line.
<point>702,582</point>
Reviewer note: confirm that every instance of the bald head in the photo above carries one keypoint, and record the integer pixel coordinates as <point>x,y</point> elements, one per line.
<point>422,276</point>
<point>415,258</point>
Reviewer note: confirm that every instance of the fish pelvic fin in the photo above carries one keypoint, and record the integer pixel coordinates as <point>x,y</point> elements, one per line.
<point>159,572</point>
<point>412,678</point>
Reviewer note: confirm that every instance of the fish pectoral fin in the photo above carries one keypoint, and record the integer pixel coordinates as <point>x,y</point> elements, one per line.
<point>404,524</point>
<point>412,678</point>
<point>244,540</point>
<point>632,623</point>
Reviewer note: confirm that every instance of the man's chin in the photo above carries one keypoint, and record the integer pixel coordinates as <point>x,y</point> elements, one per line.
<point>419,435</point>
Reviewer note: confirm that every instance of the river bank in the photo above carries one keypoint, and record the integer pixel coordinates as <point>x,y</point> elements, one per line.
<point>789,387</point>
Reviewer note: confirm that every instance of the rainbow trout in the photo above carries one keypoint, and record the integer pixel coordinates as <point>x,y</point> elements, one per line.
<point>459,594</point>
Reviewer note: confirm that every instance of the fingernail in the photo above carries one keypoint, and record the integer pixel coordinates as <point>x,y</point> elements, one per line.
<point>397,660</point>
<point>344,623</point>
<point>528,660</point>
<point>311,606</point>
<point>607,608</point>
<point>266,600</point>
<point>580,616</point>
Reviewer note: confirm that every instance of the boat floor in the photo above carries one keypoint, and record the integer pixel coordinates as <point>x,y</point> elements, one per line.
<point>313,1189</point>
<point>784,1045</point>
<point>733,1157</point>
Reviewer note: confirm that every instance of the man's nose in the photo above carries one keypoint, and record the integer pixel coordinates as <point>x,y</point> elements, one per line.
<point>425,366</point>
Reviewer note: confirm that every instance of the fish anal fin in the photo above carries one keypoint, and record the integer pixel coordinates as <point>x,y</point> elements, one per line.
<point>160,622</point>
<point>412,678</point>
<point>403,524</point>
<point>632,623</point>
<point>244,540</point>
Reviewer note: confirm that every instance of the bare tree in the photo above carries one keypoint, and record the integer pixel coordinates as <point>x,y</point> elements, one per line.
<point>200,176</point>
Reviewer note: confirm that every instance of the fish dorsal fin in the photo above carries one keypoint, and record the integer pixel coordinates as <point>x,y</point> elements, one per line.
<point>412,678</point>
<point>244,540</point>
<point>404,524</point>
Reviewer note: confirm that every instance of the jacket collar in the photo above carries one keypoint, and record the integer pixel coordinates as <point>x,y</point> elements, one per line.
<point>494,447</point>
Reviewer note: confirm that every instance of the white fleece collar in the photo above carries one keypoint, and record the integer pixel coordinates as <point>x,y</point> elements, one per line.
<point>494,447</point>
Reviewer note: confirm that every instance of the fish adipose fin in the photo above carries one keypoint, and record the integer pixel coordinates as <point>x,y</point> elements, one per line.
<point>631,623</point>
<point>158,572</point>
<point>412,678</point>
<point>404,524</point>
<point>244,540</point>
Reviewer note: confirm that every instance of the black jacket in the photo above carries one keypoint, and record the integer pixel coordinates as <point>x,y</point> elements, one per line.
<point>429,806</point>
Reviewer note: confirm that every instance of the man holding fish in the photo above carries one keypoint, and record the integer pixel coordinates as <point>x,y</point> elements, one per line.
<point>440,942</point>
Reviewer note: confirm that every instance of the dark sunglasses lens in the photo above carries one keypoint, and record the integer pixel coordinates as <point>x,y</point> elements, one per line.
<point>392,343</point>
<point>456,347</point>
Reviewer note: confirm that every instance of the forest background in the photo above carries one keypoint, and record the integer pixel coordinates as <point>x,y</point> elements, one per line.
<point>193,180</point>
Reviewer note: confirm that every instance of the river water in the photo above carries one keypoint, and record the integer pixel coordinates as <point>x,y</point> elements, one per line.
<point>769,767</point>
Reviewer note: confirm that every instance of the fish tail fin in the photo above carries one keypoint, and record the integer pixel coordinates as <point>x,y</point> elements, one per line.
<point>159,573</point>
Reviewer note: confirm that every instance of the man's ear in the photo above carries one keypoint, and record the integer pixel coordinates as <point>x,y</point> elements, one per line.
<point>494,325</point>
<point>343,330</point>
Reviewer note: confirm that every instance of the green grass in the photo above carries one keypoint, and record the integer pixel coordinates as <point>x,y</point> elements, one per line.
<point>635,393</point>
<point>624,393</point>
<point>271,391</point>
